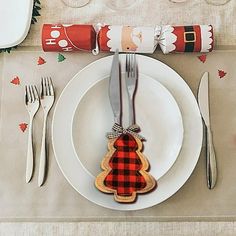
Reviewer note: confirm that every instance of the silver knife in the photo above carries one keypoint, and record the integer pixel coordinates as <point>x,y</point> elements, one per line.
<point>203,101</point>
<point>115,88</point>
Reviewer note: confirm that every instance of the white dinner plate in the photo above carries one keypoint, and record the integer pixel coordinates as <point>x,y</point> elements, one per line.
<point>67,119</point>
<point>15,19</point>
<point>94,116</point>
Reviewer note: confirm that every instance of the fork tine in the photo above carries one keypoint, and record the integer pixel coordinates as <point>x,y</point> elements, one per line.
<point>32,93</point>
<point>36,92</point>
<point>41,90</point>
<point>51,87</point>
<point>36,96</point>
<point>132,65</point>
<point>128,65</point>
<point>48,88</point>
<point>45,86</point>
<point>42,87</point>
<point>135,67</point>
<point>28,94</point>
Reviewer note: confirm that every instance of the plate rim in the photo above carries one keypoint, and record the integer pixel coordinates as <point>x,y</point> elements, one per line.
<point>24,34</point>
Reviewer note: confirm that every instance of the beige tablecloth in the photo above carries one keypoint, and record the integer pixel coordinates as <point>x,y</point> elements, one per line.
<point>143,13</point>
<point>57,200</point>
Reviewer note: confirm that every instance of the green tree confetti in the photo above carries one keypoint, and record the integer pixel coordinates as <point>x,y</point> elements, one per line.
<point>60,57</point>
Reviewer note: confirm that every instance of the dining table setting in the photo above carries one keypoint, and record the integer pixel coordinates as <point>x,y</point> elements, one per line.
<point>117,110</point>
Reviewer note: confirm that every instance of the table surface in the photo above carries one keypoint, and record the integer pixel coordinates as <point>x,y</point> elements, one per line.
<point>119,228</point>
<point>24,202</point>
<point>192,12</point>
<point>143,13</point>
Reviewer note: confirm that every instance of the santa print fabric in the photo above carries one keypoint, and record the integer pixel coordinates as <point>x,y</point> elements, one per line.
<point>67,38</point>
<point>194,38</point>
<point>127,39</point>
<point>125,163</point>
<point>140,39</point>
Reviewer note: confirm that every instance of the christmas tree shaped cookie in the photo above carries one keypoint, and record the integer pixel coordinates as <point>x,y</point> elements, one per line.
<point>125,169</point>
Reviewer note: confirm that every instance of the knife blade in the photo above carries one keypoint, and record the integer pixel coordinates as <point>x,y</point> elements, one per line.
<point>115,88</point>
<point>203,101</point>
<point>203,98</point>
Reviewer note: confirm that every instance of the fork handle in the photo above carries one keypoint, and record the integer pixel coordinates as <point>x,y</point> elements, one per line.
<point>131,111</point>
<point>30,155</point>
<point>43,155</point>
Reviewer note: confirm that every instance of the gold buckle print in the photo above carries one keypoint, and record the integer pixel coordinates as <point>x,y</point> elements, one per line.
<point>190,34</point>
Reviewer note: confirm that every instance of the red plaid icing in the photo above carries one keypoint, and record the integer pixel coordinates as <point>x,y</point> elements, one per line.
<point>125,163</point>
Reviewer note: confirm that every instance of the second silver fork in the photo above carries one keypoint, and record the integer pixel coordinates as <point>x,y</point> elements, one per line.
<point>131,77</point>
<point>32,106</point>
<point>47,100</point>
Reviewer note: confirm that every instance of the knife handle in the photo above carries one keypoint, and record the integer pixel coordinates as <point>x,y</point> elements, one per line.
<point>211,161</point>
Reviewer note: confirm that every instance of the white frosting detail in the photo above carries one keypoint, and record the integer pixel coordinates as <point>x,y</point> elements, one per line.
<point>167,39</point>
<point>63,43</point>
<point>207,38</point>
<point>55,34</point>
<point>66,25</point>
<point>114,35</point>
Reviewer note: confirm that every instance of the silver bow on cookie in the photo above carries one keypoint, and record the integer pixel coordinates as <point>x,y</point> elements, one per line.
<point>119,130</point>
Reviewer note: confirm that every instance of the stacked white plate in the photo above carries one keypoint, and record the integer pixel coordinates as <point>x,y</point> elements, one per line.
<point>166,111</point>
<point>15,19</point>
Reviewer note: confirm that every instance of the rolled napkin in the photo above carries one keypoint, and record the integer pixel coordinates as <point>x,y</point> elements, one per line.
<point>67,38</point>
<point>60,37</point>
<point>196,38</point>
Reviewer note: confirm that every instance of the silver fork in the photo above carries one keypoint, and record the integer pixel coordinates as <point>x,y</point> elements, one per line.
<point>32,106</point>
<point>131,77</point>
<point>47,100</point>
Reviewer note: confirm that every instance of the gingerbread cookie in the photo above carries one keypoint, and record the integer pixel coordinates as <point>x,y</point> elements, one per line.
<point>125,167</point>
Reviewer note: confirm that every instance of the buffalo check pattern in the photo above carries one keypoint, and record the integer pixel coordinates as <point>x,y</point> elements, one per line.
<point>125,163</point>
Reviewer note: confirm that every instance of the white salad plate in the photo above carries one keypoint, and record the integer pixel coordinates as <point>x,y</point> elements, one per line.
<point>15,20</point>
<point>83,116</point>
